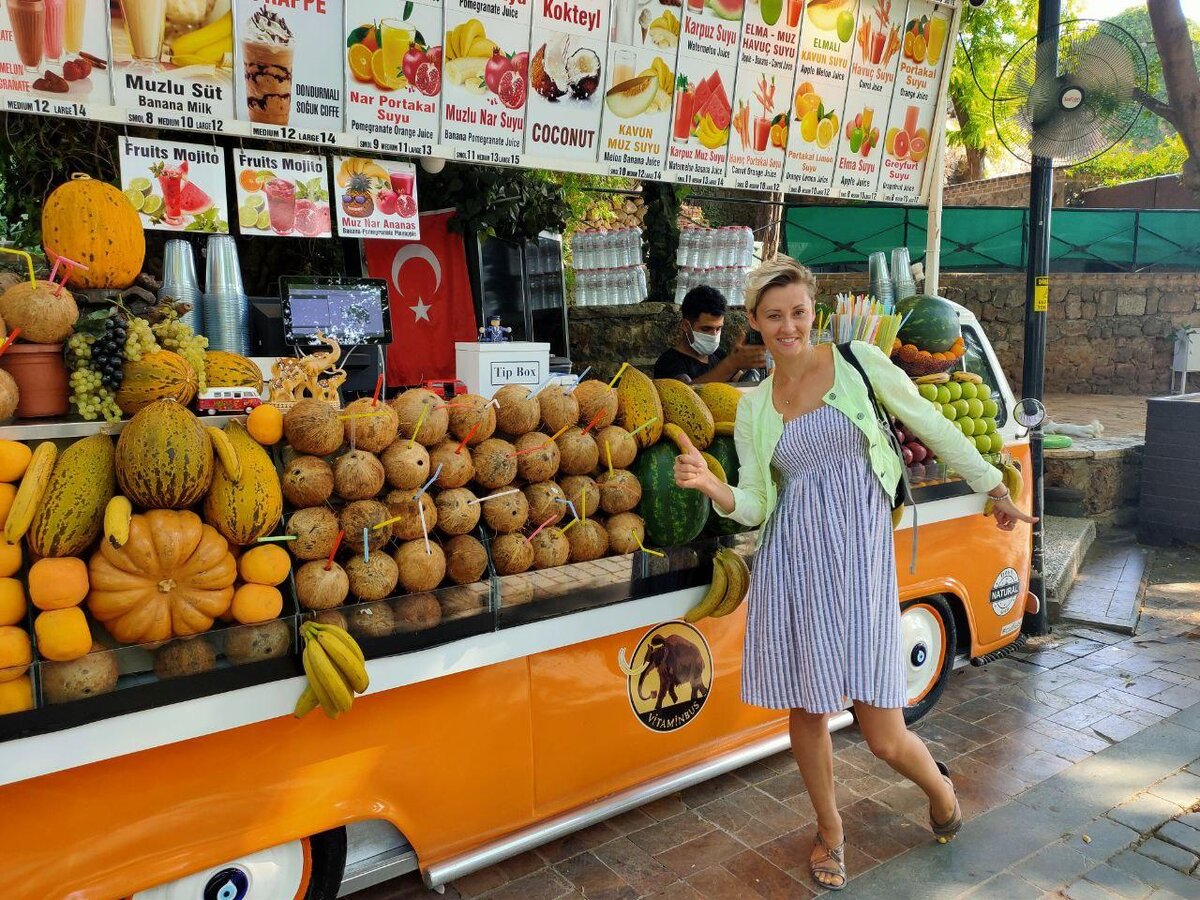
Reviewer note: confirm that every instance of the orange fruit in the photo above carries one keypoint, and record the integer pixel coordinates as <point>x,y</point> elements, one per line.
<point>359,59</point>
<point>918,48</point>
<point>248,180</point>
<point>265,424</point>
<point>379,73</point>
<point>256,603</point>
<point>12,601</point>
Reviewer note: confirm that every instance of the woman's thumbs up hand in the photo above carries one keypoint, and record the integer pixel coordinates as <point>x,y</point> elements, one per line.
<point>691,471</point>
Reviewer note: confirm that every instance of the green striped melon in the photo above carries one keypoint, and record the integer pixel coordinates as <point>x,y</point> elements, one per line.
<point>672,514</point>
<point>71,514</point>
<point>164,457</point>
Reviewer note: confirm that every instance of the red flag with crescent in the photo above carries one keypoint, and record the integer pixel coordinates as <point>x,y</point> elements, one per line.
<point>429,292</point>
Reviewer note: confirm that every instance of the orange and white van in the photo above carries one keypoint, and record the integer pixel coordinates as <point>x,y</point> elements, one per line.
<point>557,714</point>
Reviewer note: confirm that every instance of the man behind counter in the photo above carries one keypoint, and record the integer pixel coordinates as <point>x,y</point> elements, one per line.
<point>695,356</point>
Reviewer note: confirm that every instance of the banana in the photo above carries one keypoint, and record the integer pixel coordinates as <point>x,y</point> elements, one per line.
<point>344,635</point>
<point>724,428</point>
<point>30,492</point>
<point>348,663</point>
<point>714,466</point>
<point>307,702</point>
<point>967,376</point>
<point>939,378</point>
<point>676,435</point>
<point>329,676</point>
<point>1013,481</point>
<point>739,582</point>
<point>220,30</point>
<point>712,597</point>
<point>317,686</point>
<point>223,447</point>
<point>117,514</point>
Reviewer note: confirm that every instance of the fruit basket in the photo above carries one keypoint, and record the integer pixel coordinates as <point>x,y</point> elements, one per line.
<point>917,363</point>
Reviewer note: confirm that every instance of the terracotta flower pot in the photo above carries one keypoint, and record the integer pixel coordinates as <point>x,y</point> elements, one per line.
<point>41,377</point>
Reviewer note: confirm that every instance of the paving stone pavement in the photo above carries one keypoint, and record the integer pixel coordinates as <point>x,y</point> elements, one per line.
<point>1075,761</point>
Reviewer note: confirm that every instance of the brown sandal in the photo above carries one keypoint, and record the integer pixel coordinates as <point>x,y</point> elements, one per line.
<point>945,831</point>
<point>832,864</point>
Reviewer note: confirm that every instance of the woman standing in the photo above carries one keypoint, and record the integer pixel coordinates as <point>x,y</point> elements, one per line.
<point>823,630</point>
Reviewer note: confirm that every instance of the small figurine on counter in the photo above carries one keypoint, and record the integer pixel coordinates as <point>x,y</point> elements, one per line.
<point>495,333</point>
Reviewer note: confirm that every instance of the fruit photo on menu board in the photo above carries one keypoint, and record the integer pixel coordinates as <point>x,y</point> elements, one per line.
<point>862,134</point>
<point>703,111</point>
<point>366,188</point>
<point>59,44</point>
<point>394,55</point>
<point>563,72</point>
<point>833,16</point>
<point>764,129</point>
<point>271,204</point>
<point>878,39</point>
<point>818,125</point>
<point>907,142</point>
<point>729,10</point>
<point>924,39</point>
<point>182,34</point>
<point>477,64</point>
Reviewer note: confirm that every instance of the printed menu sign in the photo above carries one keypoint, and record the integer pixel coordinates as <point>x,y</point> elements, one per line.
<point>376,198</point>
<point>285,194</point>
<point>485,78</point>
<point>175,187</point>
<point>643,41</point>
<point>55,54</point>
<point>287,82</point>
<point>763,94</point>
<point>907,139</point>
<point>173,63</point>
<point>393,55</point>
<point>569,40</point>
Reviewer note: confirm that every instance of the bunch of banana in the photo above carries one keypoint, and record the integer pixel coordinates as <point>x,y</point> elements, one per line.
<point>971,377</point>
<point>117,515</point>
<point>939,378</point>
<point>30,492</point>
<point>663,32</point>
<point>468,39</point>
<point>223,448</point>
<point>335,667</point>
<point>1013,481</point>
<point>731,581</point>
<point>710,135</point>
<point>205,46</point>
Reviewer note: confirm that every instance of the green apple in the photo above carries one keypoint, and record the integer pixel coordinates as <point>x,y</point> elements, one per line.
<point>845,25</point>
<point>955,390</point>
<point>949,411</point>
<point>969,390</point>
<point>968,426</point>
<point>943,395</point>
<point>990,408</point>
<point>962,409</point>
<point>975,408</point>
<point>997,442</point>
<point>771,10</point>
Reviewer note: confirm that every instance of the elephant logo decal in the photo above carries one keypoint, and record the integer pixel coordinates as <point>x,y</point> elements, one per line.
<point>668,676</point>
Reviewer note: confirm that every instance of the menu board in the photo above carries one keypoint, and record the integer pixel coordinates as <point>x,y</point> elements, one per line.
<point>394,69</point>
<point>375,198</point>
<point>173,63</point>
<point>485,79</point>
<point>566,71</point>
<point>700,121</point>
<point>283,194</point>
<point>643,42</point>
<point>54,55</point>
<point>762,96</point>
<point>175,187</point>
<point>280,97</point>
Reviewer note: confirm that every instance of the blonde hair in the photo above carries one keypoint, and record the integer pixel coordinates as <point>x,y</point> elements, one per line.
<point>777,272</point>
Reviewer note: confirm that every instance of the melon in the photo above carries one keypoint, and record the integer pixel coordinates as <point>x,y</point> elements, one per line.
<point>407,511</point>
<point>374,578</point>
<point>559,409</point>
<point>315,530</point>
<point>518,411</point>
<point>416,612</point>
<point>597,401</point>
<point>588,540</point>
<point>358,518</point>
<point>472,419</point>
<point>457,513</point>
<point>321,588</point>
<point>371,620</point>
<point>511,554</point>
<point>540,464</point>
<point>421,568</point>
<point>582,491</point>
<point>621,446</point>
<point>307,481</point>
<point>314,428</point>
<point>620,491</point>
<point>929,323</point>
<point>454,466</point>
<point>466,559</point>
<point>358,475</point>
<point>626,532</point>
<point>506,514</point>
<point>495,463</point>
<point>550,548</point>
<point>545,502</point>
<point>578,451</point>
<point>409,408</point>
<point>406,467</point>
<point>371,427</point>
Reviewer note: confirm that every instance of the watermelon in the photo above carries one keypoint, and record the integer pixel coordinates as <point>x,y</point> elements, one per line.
<point>193,201</point>
<point>730,10</point>
<point>725,452</point>
<point>672,514</point>
<point>931,323</point>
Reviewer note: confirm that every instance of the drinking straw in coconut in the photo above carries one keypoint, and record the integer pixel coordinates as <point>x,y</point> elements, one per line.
<point>28,261</point>
<point>554,437</point>
<point>594,421</point>
<point>424,529</point>
<point>620,372</point>
<point>579,381</point>
<point>333,552</point>
<point>378,388</point>
<point>8,341</point>
<point>433,478</point>
<point>645,424</point>
<point>608,456</point>
<point>277,537</point>
<point>420,421</point>
<point>537,531</point>
<point>646,549</point>
<point>569,526</point>
<point>541,387</point>
<point>493,496</point>
<point>366,544</point>
<point>470,434</point>
<point>366,415</point>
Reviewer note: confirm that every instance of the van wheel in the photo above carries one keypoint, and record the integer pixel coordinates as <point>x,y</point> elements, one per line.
<point>308,869</point>
<point>928,639</point>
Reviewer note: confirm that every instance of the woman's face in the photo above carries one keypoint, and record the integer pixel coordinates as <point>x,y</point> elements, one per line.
<point>784,318</point>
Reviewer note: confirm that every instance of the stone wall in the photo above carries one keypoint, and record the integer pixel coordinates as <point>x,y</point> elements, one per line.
<point>1106,334</point>
<point>1009,190</point>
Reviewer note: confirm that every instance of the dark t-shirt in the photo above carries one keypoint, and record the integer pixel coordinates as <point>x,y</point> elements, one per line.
<point>673,364</point>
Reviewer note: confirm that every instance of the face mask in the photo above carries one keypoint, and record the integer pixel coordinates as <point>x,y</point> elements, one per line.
<point>705,344</point>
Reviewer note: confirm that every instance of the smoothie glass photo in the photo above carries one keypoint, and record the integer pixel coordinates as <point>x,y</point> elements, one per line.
<point>794,8</point>
<point>170,179</point>
<point>394,41</point>
<point>267,51</point>
<point>281,204</point>
<point>624,66</point>
<point>27,18</point>
<point>55,22</point>
<point>684,105</point>
<point>937,39</point>
<point>73,32</point>
<point>402,182</point>
<point>762,132</point>
<point>145,21</point>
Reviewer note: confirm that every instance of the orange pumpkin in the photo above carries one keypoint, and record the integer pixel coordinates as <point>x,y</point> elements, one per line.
<point>170,579</point>
<point>94,224</point>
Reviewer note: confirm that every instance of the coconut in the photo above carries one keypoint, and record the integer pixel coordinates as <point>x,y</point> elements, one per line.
<point>597,403</point>
<point>518,412</point>
<point>370,427</point>
<point>374,578</point>
<point>456,514</point>
<point>371,620</point>
<point>550,548</point>
<point>559,409</point>
<point>87,676</point>
<point>420,570</point>
<point>465,600</point>
<point>540,464</point>
<point>517,590</point>
<point>331,617</point>
<point>545,502</point>
<point>466,559</point>
<point>621,446</point>
<point>358,475</point>
<point>406,509</point>
<point>626,532</point>
<point>409,407</point>
<point>416,612</point>
<point>511,554</point>
<point>307,481</point>
<point>180,658</point>
<point>620,491</point>
<point>405,467</point>
<point>9,396</point>
<point>255,643</point>
<point>472,415</point>
<point>506,514</point>
<point>495,463</point>
<point>581,490</point>
<point>45,312</point>
<point>315,529</point>
<point>589,540</point>
<point>580,454</point>
<point>456,467</point>
<point>321,588</point>
<point>313,427</point>
<point>360,515</point>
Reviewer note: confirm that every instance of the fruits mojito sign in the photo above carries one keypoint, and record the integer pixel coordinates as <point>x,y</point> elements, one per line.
<point>568,44</point>
<point>375,198</point>
<point>485,79</point>
<point>175,187</point>
<point>914,103</point>
<point>700,121</point>
<point>284,194</point>
<point>639,83</point>
<point>762,95</point>
<point>819,95</point>
<point>393,60</point>
<point>54,56</point>
<point>173,63</point>
<point>286,83</point>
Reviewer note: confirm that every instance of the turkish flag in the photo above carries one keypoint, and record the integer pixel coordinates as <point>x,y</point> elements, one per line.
<point>429,292</point>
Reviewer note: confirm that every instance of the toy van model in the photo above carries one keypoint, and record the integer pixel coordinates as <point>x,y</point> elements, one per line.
<point>227,400</point>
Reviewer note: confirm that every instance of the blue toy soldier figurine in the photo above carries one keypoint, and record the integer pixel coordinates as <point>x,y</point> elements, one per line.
<point>495,333</point>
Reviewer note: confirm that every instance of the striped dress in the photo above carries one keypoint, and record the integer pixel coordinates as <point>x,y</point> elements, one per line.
<point>824,621</point>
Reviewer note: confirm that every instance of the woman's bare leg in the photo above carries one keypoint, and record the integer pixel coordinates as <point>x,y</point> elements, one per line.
<point>891,741</point>
<point>813,750</point>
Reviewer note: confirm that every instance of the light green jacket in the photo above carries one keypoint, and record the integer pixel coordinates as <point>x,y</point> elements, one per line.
<point>759,427</point>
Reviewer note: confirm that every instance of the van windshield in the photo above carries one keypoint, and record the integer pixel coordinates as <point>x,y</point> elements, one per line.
<point>976,360</point>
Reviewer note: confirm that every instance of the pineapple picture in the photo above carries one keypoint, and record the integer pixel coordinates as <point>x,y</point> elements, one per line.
<point>357,200</point>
